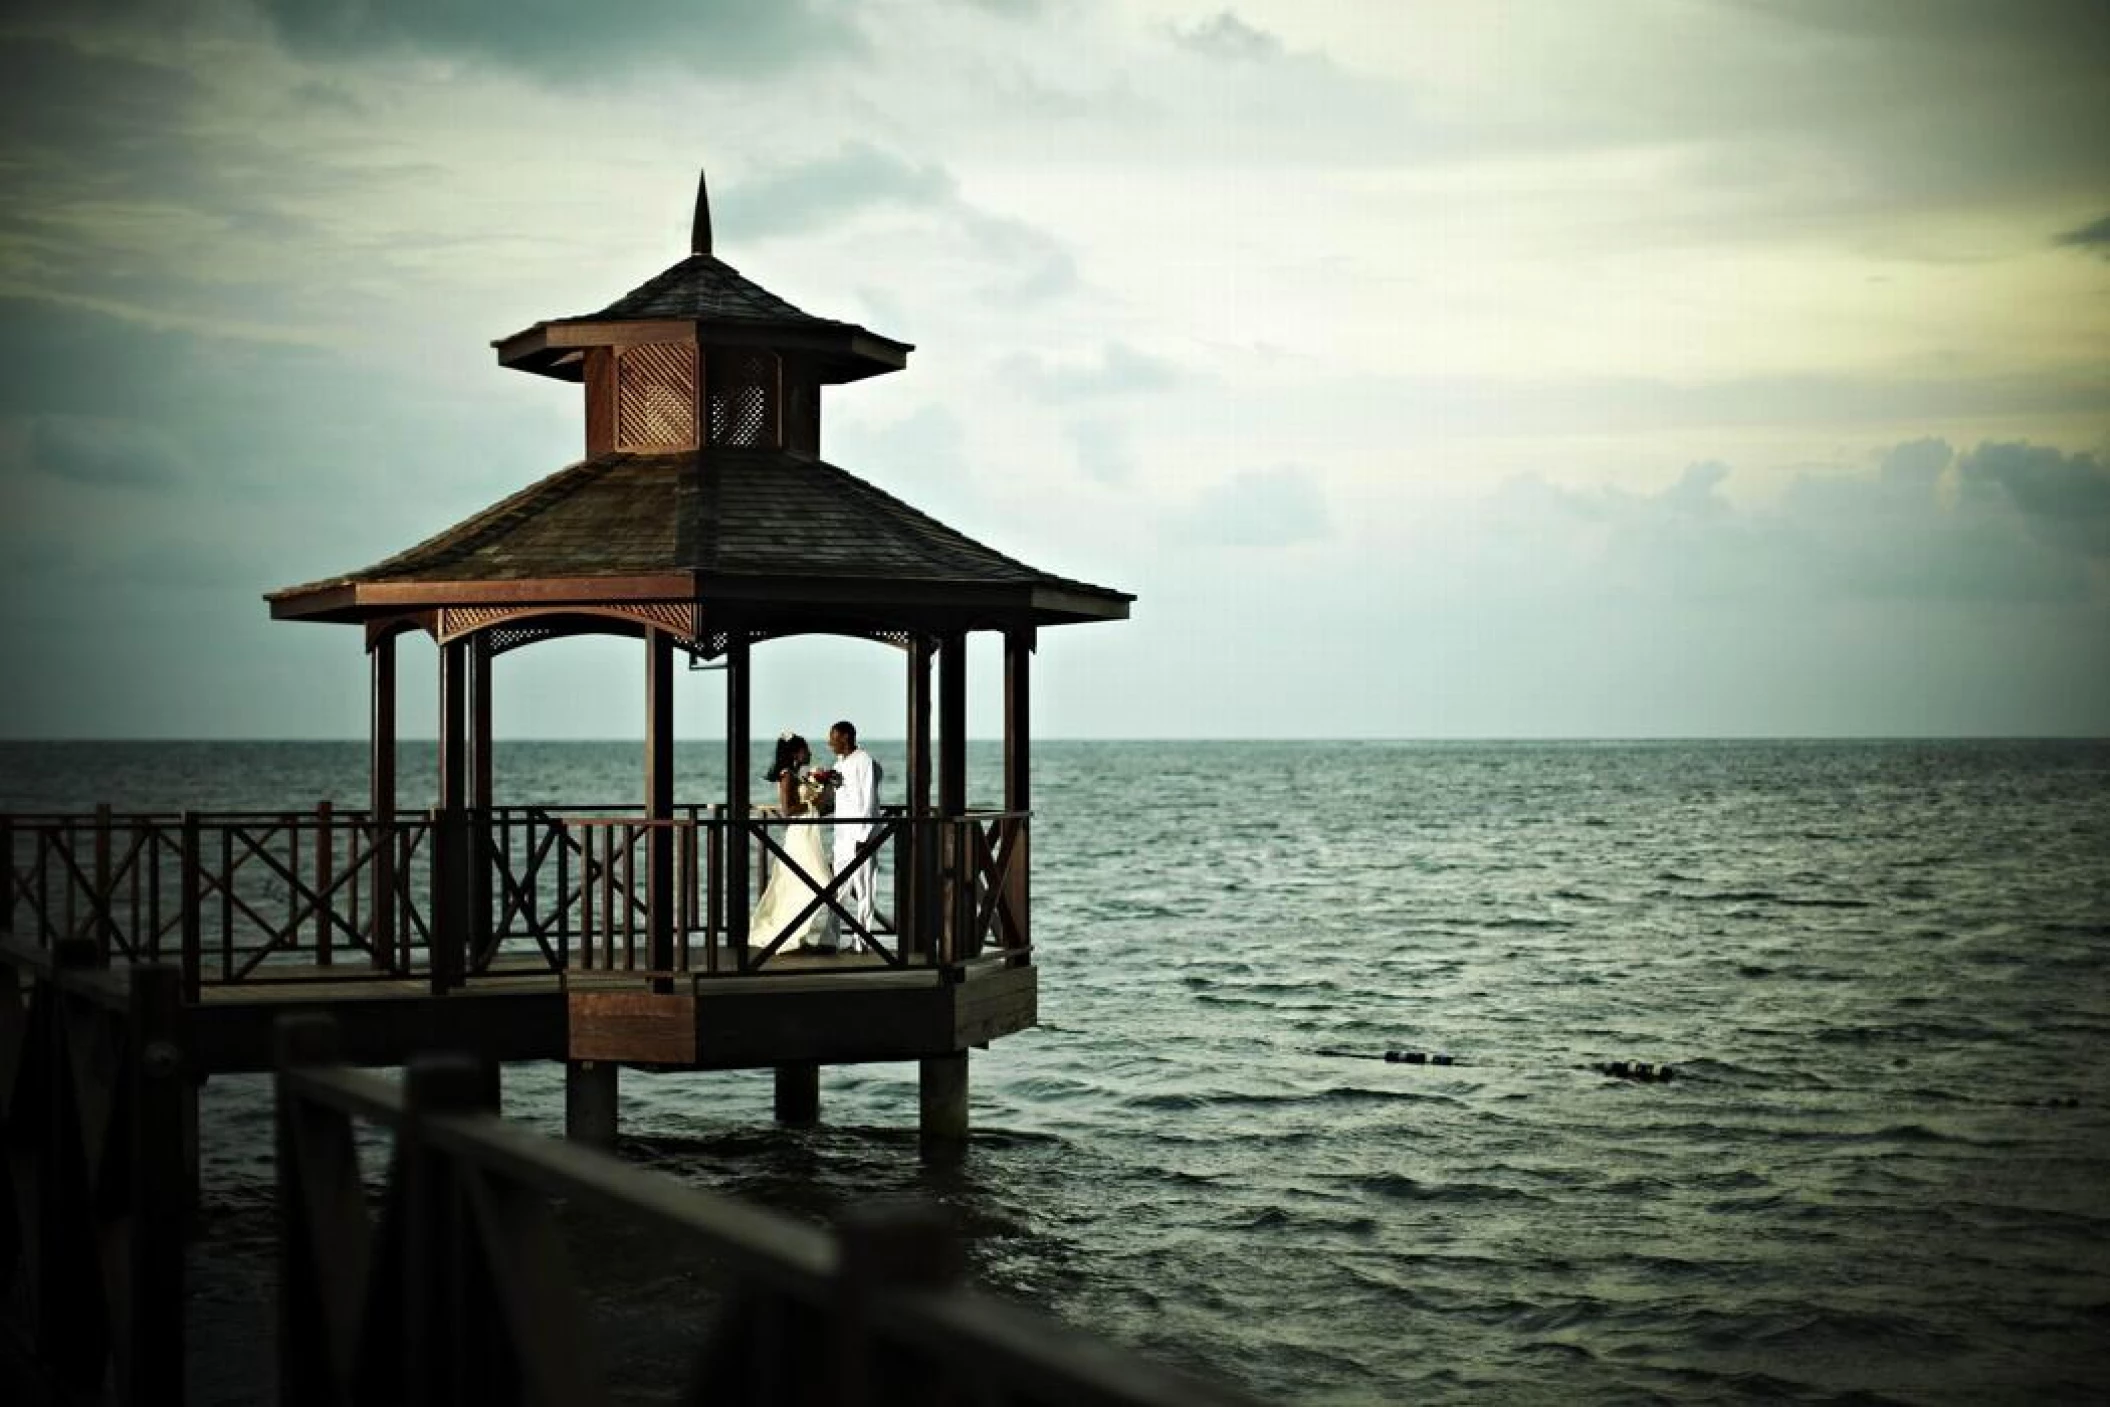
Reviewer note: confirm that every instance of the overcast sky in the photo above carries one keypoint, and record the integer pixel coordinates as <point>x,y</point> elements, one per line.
<point>1455,369</point>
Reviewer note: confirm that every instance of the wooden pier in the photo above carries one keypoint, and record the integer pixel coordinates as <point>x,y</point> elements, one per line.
<point>143,954</point>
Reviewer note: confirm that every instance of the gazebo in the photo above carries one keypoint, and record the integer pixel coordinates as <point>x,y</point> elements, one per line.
<point>702,447</point>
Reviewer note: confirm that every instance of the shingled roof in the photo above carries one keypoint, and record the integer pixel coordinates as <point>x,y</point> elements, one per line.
<point>705,288</point>
<point>752,517</point>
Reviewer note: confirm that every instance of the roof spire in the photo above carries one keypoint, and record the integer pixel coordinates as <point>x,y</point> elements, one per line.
<point>700,231</point>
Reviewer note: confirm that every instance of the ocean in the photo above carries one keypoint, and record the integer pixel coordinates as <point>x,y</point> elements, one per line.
<point>1880,972</point>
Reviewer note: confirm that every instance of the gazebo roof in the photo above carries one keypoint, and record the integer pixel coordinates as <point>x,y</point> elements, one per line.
<point>705,299</point>
<point>776,532</point>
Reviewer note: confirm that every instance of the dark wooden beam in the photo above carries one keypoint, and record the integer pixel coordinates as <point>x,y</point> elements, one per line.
<point>382,794</point>
<point>480,720</point>
<point>659,802</point>
<point>600,401</point>
<point>915,901</point>
<point>1018,719</point>
<point>454,725</point>
<point>479,859</point>
<point>952,724</point>
<point>1018,772</point>
<point>738,788</point>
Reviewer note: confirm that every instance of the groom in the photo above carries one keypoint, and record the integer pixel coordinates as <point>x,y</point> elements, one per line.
<point>856,803</point>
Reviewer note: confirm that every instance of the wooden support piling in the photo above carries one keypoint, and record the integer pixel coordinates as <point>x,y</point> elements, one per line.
<point>941,1088</point>
<point>798,1092</point>
<point>591,1101</point>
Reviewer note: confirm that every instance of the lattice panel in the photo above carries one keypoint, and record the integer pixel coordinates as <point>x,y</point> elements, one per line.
<point>512,637</point>
<point>514,626</point>
<point>743,395</point>
<point>655,396</point>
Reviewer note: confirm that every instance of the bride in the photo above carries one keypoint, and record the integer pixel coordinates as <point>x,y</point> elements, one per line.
<point>788,892</point>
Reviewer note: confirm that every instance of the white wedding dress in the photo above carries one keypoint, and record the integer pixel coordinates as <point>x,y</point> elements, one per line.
<point>787,893</point>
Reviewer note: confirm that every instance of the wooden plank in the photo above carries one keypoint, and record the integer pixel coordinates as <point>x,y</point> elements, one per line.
<point>640,1026</point>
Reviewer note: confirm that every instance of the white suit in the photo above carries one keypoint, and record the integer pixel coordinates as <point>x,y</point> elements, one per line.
<point>856,803</point>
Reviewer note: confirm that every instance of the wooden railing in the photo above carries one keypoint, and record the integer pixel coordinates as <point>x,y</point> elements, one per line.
<point>462,1288</point>
<point>328,894</point>
<point>93,1125</point>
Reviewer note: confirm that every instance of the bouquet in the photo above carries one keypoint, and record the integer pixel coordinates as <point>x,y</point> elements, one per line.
<point>817,786</point>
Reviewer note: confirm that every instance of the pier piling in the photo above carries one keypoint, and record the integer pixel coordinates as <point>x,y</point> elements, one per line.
<point>590,1101</point>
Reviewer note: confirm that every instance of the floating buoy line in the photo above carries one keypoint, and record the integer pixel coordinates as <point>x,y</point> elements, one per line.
<point>1640,1071</point>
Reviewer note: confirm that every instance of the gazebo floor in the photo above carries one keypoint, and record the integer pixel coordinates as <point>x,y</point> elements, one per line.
<point>802,1007</point>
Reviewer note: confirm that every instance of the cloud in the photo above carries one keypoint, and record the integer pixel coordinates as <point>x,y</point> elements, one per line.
<point>1278,507</point>
<point>832,189</point>
<point>2020,527</point>
<point>1121,370</point>
<point>97,450</point>
<point>2094,235</point>
<point>2064,500</point>
<point>1103,452</point>
<point>561,41</point>
<point>1039,266</point>
<point>1226,36</point>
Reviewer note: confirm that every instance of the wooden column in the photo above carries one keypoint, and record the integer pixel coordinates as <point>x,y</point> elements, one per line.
<point>798,1098</point>
<point>382,800</point>
<point>952,724</point>
<point>482,835</point>
<point>1018,719</point>
<point>659,804</point>
<point>454,725</point>
<point>479,660</point>
<point>1018,776</point>
<point>591,1100</point>
<point>737,791</point>
<point>916,875</point>
<point>449,907</point>
<point>941,1088</point>
<point>952,790</point>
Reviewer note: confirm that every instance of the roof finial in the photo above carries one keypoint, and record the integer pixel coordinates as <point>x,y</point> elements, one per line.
<point>700,231</point>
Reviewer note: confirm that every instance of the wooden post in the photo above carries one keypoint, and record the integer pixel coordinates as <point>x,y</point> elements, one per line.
<point>99,909</point>
<point>150,1360</point>
<point>454,725</point>
<point>72,1325</point>
<point>886,1248</point>
<point>659,805</point>
<point>952,787</point>
<point>325,871</point>
<point>915,875</point>
<point>381,806</point>
<point>798,1092</point>
<point>448,909</point>
<point>952,724</point>
<point>941,1088</point>
<point>304,1357</point>
<point>737,790</point>
<point>480,850</point>
<point>591,1101</point>
<point>193,911</point>
<point>1018,774</point>
<point>7,875</point>
<point>449,1330</point>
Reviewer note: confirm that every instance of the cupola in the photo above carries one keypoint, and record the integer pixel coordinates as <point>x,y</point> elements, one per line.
<point>698,357</point>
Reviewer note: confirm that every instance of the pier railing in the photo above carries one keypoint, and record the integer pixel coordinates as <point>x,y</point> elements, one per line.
<point>464,1287</point>
<point>450,896</point>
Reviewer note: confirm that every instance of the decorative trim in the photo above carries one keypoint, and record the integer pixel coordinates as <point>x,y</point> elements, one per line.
<point>515,626</point>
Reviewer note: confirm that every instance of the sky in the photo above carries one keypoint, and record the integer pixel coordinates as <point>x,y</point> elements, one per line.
<point>1443,369</point>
